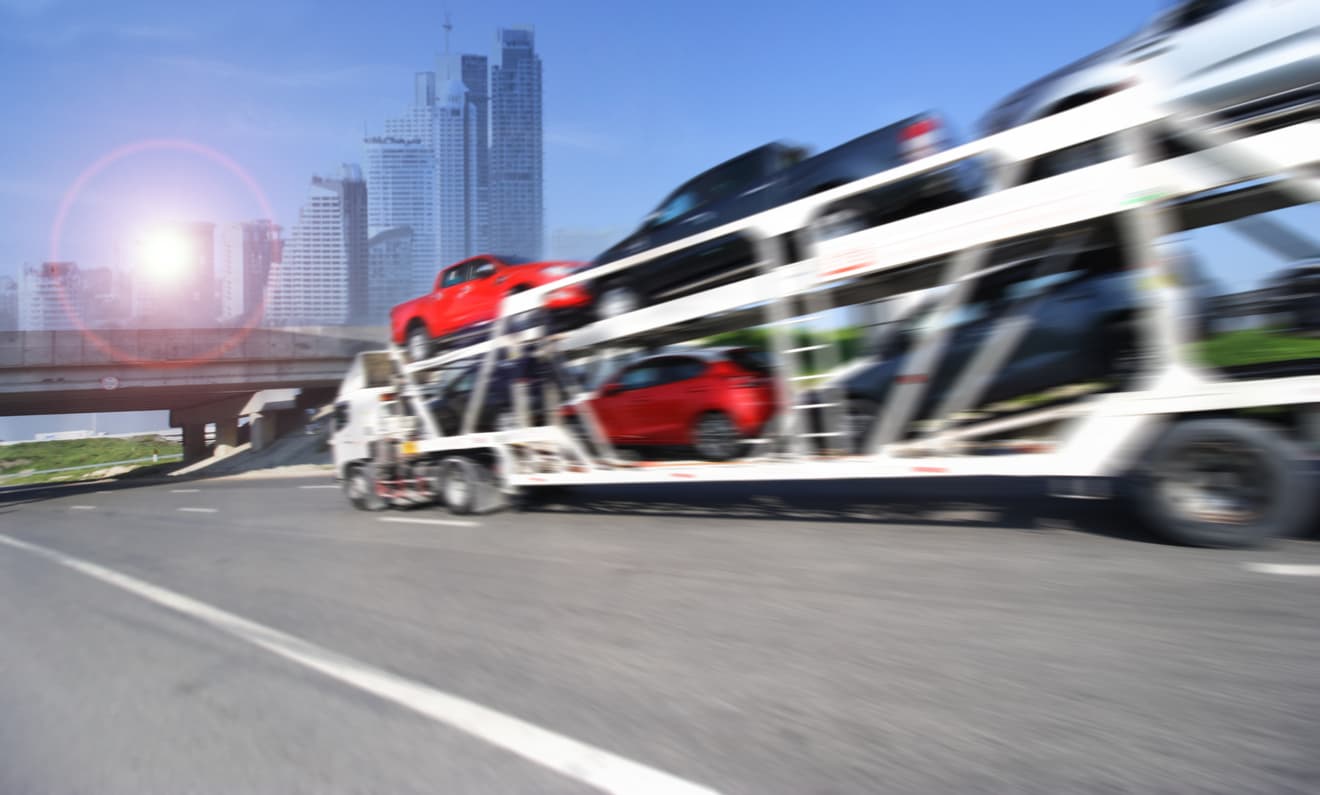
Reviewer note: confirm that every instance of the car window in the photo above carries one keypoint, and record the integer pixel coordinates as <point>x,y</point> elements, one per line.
<point>675,206</point>
<point>748,359</point>
<point>726,180</point>
<point>682,369</point>
<point>480,269</point>
<point>730,178</point>
<point>1039,285</point>
<point>641,376</point>
<point>968,314</point>
<point>455,275</point>
<point>463,384</point>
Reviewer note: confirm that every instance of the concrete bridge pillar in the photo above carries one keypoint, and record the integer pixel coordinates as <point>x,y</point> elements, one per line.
<point>264,430</point>
<point>226,433</point>
<point>194,441</point>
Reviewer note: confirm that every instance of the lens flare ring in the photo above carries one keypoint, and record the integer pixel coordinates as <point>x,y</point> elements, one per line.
<point>70,198</point>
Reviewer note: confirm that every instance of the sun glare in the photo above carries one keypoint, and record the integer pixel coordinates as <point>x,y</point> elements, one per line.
<point>165,255</point>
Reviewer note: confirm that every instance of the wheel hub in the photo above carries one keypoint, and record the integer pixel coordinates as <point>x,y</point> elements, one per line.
<point>1217,483</point>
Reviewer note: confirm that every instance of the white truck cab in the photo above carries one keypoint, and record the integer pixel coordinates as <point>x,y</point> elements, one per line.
<point>364,406</point>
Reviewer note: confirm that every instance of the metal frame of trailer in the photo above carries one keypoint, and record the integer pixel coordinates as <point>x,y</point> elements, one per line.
<point>1227,176</point>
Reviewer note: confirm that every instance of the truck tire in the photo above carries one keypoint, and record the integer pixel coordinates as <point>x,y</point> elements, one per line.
<point>460,483</point>
<point>360,488</point>
<point>1222,483</point>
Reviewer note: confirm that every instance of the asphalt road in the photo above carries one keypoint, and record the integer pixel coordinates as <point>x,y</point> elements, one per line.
<point>258,635</point>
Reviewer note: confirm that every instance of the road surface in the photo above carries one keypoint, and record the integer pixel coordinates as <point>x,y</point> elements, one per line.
<point>257,635</point>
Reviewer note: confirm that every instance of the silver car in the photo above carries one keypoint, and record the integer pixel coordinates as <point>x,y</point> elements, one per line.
<point>1237,58</point>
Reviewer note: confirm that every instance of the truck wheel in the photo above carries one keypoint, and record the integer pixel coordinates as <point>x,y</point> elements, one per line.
<point>419,343</point>
<point>360,487</point>
<point>1222,483</point>
<point>461,483</point>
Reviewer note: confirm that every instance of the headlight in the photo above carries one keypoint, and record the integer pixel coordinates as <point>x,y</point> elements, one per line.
<point>559,271</point>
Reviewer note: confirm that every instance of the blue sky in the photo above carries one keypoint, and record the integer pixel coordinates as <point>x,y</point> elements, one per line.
<point>637,97</point>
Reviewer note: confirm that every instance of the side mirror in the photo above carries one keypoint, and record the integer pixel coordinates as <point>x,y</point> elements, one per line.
<point>611,389</point>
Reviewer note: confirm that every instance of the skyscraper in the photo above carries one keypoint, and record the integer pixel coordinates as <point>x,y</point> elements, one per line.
<point>474,72</point>
<point>517,225</point>
<point>455,141</point>
<point>401,192</point>
<point>8,304</point>
<point>50,297</point>
<point>389,271</point>
<point>425,170</point>
<point>247,251</point>
<point>415,123</point>
<point>106,299</point>
<point>323,276</point>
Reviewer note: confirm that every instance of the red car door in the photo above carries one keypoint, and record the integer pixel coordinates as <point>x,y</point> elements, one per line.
<point>674,403</point>
<point>442,318</point>
<point>620,404</point>
<point>481,292</point>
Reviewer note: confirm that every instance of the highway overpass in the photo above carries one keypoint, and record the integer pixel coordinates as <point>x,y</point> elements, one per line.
<point>198,375</point>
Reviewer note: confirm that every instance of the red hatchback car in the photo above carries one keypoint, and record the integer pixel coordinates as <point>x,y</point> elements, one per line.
<point>710,400</point>
<point>469,293</point>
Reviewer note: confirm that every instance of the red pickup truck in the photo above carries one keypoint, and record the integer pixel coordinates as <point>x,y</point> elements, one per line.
<point>467,294</point>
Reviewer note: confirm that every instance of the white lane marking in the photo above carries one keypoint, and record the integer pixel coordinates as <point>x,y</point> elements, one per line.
<point>184,491</point>
<point>321,486</point>
<point>198,510</point>
<point>571,758</point>
<point>1287,569</point>
<point>447,522</point>
<point>82,507</point>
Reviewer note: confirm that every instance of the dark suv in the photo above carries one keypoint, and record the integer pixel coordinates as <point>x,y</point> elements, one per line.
<point>497,406</point>
<point>1081,328</point>
<point>767,177</point>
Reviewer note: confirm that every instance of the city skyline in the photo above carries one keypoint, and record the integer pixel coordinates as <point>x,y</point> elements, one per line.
<point>429,175</point>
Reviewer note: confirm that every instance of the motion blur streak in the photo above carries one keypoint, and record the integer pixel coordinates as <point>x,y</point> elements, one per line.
<point>576,760</point>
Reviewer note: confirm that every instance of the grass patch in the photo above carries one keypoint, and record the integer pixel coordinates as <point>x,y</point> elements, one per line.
<point>1255,346</point>
<point>61,453</point>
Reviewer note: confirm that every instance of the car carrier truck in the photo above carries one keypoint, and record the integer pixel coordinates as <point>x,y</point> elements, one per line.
<point>1207,457</point>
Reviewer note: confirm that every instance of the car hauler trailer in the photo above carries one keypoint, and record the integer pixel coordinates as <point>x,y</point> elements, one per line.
<point>1183,439</point>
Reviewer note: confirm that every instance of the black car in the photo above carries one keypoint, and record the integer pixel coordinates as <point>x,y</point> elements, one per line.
<point>498,410</point>
<point>1239,60</point>
<point>1081,328</point>
<point>1294,296</point>
<point>764,178</point>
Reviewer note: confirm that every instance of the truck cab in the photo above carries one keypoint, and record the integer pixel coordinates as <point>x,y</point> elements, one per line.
<point>365,409</point>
